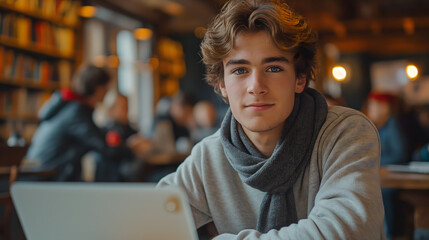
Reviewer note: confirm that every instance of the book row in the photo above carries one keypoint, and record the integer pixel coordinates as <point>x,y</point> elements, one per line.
<point>43,35</point>
<point>64,10</point>
<point>21,103</point>
<point>23,69</point>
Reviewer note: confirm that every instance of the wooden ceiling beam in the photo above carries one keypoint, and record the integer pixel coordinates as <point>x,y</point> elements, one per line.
<point>135,9</point>
<point>380,45</point>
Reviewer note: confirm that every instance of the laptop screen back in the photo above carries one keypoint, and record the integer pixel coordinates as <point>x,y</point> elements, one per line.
<point>102,211</point>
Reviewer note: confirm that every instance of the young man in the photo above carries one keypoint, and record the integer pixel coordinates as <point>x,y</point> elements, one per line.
<point>283,165</point>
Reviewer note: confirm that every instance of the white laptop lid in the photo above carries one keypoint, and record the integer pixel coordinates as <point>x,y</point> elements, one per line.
<point>93,211</point>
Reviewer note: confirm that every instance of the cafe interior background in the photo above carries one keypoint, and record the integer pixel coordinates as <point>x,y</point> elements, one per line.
<point>151,48</point>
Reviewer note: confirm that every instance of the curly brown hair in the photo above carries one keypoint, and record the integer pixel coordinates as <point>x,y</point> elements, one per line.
<point>288,30</point>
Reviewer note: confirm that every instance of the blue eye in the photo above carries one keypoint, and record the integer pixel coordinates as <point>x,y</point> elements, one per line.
<point>274,69</point>
<point>239,71</point>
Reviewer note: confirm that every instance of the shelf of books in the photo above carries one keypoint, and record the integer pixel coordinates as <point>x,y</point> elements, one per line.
<point>37,57</point>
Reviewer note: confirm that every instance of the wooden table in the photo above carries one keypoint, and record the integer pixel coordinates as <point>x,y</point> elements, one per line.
<point>164,159</point>
<point>29,170</point>
<point>414,189</point>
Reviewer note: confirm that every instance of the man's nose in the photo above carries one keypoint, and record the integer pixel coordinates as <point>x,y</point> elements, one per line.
<point>257,85</point>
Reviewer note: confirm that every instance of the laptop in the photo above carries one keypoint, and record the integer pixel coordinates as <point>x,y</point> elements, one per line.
<point>102,211</point>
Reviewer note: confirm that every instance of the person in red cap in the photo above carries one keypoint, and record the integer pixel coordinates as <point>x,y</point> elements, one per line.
<point>67,131</point>
<point>382,110</point>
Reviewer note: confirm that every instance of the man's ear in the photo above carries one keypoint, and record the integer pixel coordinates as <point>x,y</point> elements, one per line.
<point>222,89</point>
<point>300,83</point>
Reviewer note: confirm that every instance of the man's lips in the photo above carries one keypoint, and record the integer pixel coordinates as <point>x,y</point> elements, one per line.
<point>259,106</point>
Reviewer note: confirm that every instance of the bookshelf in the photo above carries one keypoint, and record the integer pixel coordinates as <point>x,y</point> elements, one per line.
<point>171,66</point>
<point>38,54</point>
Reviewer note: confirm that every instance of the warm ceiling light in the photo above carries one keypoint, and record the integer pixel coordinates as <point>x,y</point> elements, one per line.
<point>142,33</point>
<point>87,11</point>
<point>339,73</point>
<point>173,8</point>
<point>412,71</point>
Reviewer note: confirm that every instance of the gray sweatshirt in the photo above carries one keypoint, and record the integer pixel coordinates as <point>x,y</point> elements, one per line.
<point>338,195</point>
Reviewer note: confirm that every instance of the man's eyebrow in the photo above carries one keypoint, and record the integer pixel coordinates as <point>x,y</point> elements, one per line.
<point>236,61</point>
<point>265,60</point>
<point>275,59</point>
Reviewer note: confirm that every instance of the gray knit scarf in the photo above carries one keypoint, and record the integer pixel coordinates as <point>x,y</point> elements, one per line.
<point>277,174</point>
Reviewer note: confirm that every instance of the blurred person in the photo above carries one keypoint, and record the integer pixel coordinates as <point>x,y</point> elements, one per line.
<point>421,146</point>
<point>120,131</point>
<point>382,110</point>
<point>118,122</point>
<point>172,134</point>
<point>182,118</point>
<point>117,117</point>
<point>205,115</point>
<point>283,165</point>
<point>67,131</point>
<point>162,108</point>
<point>172,131</point>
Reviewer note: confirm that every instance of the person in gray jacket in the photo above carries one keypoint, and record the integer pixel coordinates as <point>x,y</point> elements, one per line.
<point>67,131</point>
<point>283,165</point>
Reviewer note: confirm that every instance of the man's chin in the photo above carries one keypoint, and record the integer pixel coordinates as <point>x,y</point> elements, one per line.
<point>259,128</point>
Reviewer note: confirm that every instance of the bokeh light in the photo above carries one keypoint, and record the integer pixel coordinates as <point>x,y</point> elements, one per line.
<point>412,71</point>
<point>339,73</point>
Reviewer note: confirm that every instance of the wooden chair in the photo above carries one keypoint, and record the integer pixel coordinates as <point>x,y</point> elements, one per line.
<point>11,158</point>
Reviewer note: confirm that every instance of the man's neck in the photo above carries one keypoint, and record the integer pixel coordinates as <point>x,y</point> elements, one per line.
<point>265,142</point>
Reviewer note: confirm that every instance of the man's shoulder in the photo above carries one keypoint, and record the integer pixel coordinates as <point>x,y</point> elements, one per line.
<point>210,141</point>
<point>208,153</point>
<point>339,113</point>
<point>346,118</point>
<point>210,146</point>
